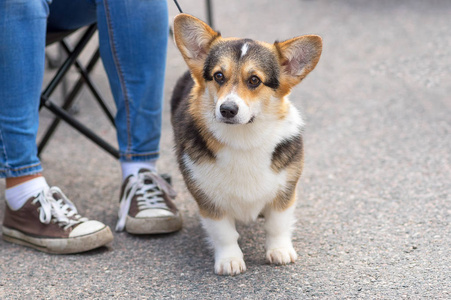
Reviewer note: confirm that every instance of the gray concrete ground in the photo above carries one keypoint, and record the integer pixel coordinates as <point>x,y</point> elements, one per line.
<point>374,207</point>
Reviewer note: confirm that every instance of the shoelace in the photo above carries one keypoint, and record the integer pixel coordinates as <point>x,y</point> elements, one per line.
<point>61,211</point>
<point>149,187</point>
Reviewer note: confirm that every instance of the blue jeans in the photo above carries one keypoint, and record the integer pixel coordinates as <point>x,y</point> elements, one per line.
<point>133,38</point>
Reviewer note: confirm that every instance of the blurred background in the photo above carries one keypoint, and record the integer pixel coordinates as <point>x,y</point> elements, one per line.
<point>374,207</point>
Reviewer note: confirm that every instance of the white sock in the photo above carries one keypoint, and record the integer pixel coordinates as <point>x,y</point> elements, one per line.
<point>133,167</point>
<point>16,196</point>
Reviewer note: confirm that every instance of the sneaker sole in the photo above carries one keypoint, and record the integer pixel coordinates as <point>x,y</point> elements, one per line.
<point>60,245</point>
<point>156,225</point>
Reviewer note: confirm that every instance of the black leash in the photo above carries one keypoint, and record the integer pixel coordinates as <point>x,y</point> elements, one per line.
<point>178,6</point>
<point>209,12</point>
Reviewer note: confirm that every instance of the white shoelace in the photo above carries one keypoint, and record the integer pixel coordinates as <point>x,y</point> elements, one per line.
<point>149,188</point>
<point>61,211</point>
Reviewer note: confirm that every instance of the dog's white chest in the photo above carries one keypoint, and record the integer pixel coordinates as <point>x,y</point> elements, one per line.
<point>247,175</point>
<point>240,182</point>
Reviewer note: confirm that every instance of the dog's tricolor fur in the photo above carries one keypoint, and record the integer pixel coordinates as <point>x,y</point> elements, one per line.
<point>238,138</point>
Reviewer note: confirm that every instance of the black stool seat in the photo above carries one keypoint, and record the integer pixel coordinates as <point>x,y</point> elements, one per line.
<point>53,37</point>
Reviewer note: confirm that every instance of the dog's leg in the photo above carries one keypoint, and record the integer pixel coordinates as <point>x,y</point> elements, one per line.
<point>278,226</point>
<point>223,236</point>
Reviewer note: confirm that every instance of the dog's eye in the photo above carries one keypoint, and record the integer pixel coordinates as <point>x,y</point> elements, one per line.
<point>254,81</point>
<point>219,77</point>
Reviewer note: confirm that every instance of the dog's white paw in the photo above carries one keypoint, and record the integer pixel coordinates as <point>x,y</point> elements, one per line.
<point>230,266</point>
<point>281,256</point>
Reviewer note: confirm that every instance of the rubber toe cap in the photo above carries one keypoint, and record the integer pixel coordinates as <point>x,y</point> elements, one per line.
<point>86,228</point>
<point>154,213</point>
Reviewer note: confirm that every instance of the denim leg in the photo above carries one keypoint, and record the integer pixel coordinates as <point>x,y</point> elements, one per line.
<point>133,39</point>
<point>133,42</point>
<point>22,56</point>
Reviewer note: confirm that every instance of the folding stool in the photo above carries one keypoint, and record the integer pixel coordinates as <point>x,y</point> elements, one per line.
<point>61,112</point>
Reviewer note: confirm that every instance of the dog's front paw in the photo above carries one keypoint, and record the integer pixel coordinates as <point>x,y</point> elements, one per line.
<point>230,266</point>
<point>281,256</point>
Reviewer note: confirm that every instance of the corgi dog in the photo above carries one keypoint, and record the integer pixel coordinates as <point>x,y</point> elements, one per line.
<point>238,138</point>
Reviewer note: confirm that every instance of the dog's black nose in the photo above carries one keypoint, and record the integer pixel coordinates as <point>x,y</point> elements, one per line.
<point>228,109</point>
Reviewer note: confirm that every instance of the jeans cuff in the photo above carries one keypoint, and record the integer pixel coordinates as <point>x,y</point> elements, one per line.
<point>23,171</point>
<point>126,157</point>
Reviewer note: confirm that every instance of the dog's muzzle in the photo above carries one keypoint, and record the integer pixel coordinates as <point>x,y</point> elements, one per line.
<point>233,110</point>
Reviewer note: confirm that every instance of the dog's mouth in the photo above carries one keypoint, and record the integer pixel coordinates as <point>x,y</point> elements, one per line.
<point>235,122</point>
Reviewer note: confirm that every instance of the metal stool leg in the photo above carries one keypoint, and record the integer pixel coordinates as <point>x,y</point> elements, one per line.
<point>61,112</point>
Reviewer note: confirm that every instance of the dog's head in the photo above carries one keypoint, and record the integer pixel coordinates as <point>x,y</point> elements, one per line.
<point>245,79</point>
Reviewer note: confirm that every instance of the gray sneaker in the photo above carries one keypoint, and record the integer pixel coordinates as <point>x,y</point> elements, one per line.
<point>49,222</point>
<point>146,205</point>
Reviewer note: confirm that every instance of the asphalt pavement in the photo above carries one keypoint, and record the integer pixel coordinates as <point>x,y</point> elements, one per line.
<point>374,207</point>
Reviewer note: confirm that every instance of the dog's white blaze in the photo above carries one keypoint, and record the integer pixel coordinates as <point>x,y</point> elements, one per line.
<point>244,49</point>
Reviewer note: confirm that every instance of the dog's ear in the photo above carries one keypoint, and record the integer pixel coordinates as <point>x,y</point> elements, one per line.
<point>193,38</point>
<point>298,57</point>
